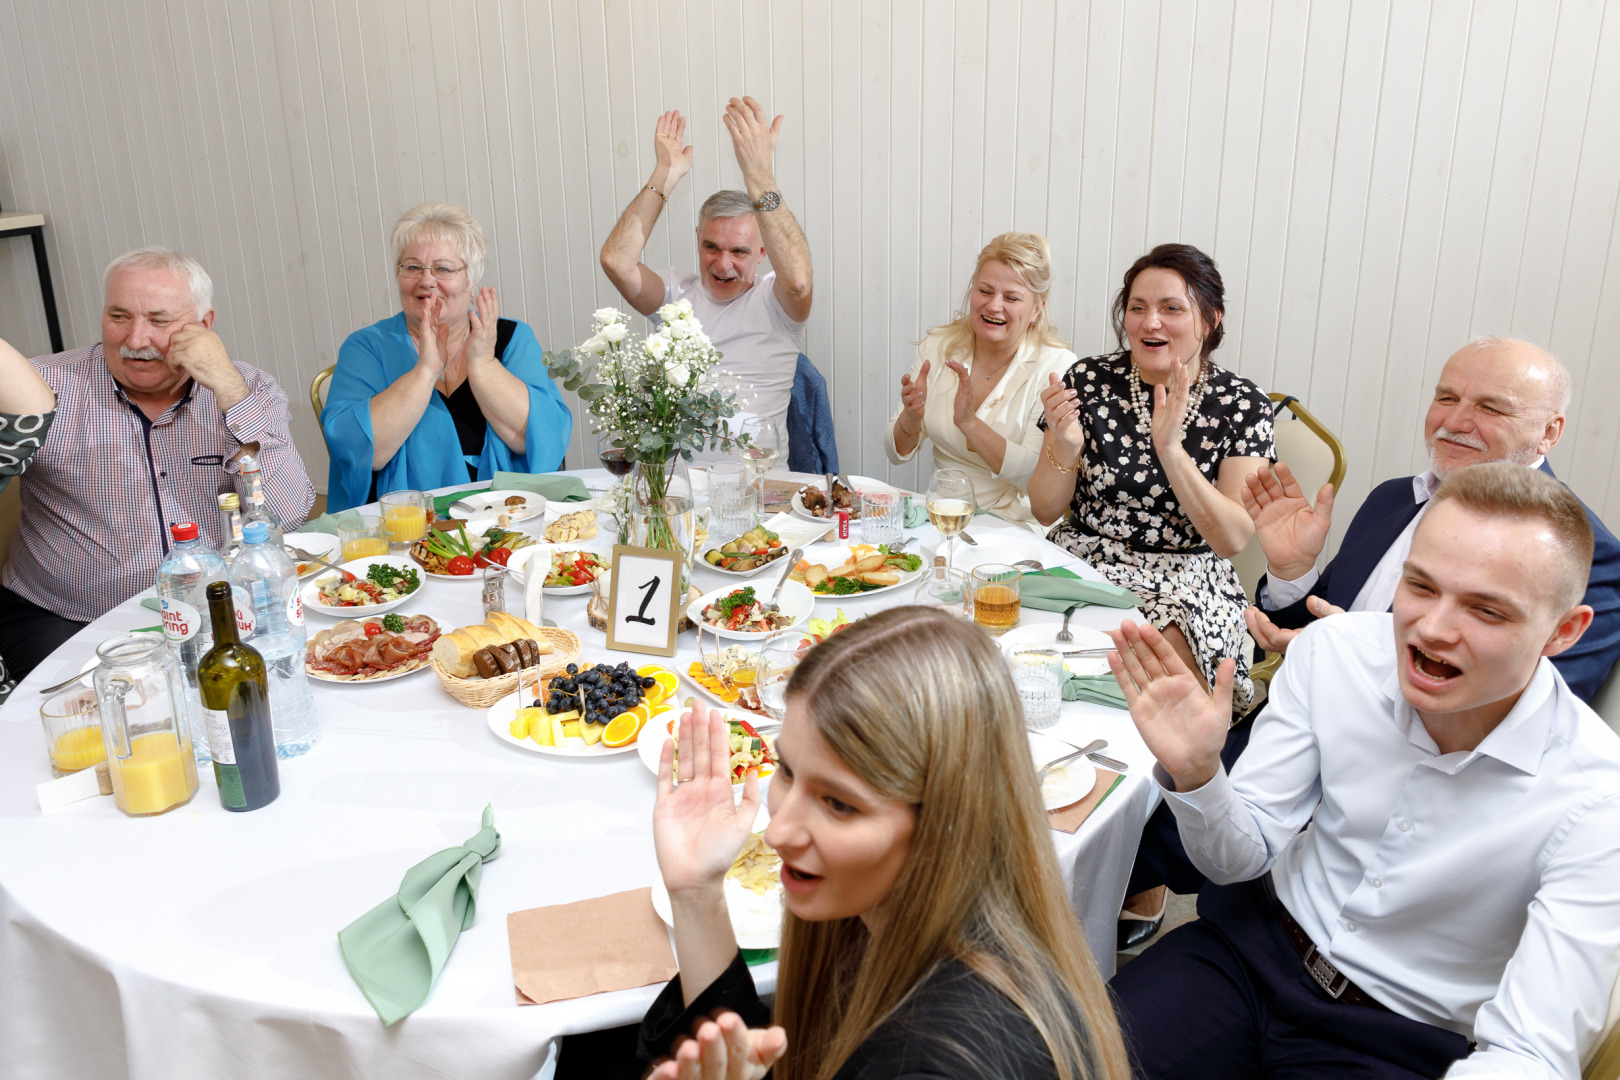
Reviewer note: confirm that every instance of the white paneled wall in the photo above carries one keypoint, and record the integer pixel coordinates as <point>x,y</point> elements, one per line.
<point>1378,179</point>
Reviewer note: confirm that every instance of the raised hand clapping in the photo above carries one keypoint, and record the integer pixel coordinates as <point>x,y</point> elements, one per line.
<point>698,829</point>
<point>1291,531</point>
<point>914,400</point>
<point>483,320</point>
<point>1182,724</point>
<point>1170,403</point>
<point>671,156</point>
<point>1062,408</point>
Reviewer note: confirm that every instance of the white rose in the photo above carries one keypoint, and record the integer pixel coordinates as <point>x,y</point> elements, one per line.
<point>594,344</point>
<point>613,333</point>
<point>679,331</point>
<point>668,314</point>
<point>678,375</point>
<point>657,346</point>
<point>605,316</point>
<point>684,306</point>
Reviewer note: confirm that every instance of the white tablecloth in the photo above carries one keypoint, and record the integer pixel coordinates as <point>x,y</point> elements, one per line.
<point>203,943</point>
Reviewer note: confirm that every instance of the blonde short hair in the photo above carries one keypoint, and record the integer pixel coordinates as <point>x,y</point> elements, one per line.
<point>1027,255</point>
<point>448,222</point>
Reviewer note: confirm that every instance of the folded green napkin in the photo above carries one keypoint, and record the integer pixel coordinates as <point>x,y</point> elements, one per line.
<point>1057,590</point>
<point>1097,689</point>
<point>756,957</point>
<point>554,486</point>
<point>916,513</point>
<point>396,950</point>
<point>328,523</point>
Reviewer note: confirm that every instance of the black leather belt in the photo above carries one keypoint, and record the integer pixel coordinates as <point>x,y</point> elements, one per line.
<point>1334,982</point>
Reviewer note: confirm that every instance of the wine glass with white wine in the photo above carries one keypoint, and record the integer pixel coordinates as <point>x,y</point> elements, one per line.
<point>950,506</point>
<point>763,450</point>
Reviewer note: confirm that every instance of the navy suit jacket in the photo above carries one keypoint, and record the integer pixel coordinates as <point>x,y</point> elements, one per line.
<point>1390,508</point>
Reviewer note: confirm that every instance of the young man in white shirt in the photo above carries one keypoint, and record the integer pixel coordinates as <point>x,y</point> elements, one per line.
<point>1415,866</point>
<point>758,325</point>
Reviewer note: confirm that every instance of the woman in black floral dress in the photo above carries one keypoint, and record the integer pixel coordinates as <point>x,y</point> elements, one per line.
<point>1147,450</point>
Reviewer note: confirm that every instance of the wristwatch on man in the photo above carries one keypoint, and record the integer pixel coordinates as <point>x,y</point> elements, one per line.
<point>769,201</point>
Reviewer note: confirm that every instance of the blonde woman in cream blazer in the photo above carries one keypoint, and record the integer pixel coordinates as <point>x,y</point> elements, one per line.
<point>975,387</point>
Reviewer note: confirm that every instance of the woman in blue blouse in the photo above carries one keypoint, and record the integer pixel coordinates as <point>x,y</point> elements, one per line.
<point>445,391</point>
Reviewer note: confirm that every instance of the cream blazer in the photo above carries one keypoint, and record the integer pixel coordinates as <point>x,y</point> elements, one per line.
<point>1011,409</point>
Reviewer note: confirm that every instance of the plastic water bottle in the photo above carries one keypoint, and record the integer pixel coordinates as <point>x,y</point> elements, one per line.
<point>270,617</point>
<point>182,583</point>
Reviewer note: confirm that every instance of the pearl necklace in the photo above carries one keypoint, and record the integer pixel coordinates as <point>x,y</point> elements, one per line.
<point>1139,401</point>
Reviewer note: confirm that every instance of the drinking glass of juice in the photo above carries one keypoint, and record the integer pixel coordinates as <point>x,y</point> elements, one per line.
<point>404,516</point>
<point>996,597</point>
<point>72,730</point>
<point>363,537</point>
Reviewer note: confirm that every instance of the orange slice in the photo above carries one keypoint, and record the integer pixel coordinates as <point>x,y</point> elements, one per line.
<point>622,729</point>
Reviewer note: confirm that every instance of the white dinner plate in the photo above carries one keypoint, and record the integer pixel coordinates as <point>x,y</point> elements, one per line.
<point>322,676</point>
<point>491,504</point>
<point>832,556</point>
<point>503,712</point>
<point>1067,783</point>
<point>755,920</point>
<point>796,602</point>
<point>519,564</point>
<point>861,484</point>
<point>1043,635</point>
<point>358,567</point>
<point>325,545</point>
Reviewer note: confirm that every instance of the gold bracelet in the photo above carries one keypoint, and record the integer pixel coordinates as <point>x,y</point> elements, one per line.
<point>1055,465</point>
<point>658,193</point>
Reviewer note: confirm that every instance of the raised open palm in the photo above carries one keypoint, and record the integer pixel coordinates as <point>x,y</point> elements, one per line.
<point>1292,532</point>
<point>698,828</point>
<point>1184,725</point>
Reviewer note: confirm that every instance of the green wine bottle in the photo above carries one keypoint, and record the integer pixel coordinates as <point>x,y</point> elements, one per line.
<point>236,711</point>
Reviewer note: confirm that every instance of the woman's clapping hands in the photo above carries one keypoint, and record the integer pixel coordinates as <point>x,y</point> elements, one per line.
<point>1170,403</point>
<point>483,319</point>
<point>914,400</point>
<point>1061,405</point>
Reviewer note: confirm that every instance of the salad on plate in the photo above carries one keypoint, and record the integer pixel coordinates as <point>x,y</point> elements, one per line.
<point>569,568</point>
<point>740,609</point>
<point>382,584</point>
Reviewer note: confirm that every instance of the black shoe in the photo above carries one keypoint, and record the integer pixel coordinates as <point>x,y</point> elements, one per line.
<point>1135,930</point>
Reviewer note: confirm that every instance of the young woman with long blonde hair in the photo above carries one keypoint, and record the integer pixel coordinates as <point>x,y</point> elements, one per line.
<point>926,929</point>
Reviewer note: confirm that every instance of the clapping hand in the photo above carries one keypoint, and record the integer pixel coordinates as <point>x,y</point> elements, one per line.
<point>752,137</point>
<point>667,139</point>
<point>962,406</point>
<point>1062,408</point>
<point>723,1049</point>
<point>1170,403</point>
<point>433,337</point>
<point>484,319</point>
<point>914,399</point>
<point>1183,725</point>
<point>1291,532</point>
<point>697,827</point>
<point>1273,638</point>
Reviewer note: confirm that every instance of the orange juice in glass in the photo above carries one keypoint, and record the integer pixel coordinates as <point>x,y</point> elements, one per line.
<point>404,517</point>
<point>363,537</point>
<point>73,731</point>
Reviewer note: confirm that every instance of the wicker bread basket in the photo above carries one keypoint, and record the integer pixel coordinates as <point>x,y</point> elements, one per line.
<point>482,693</point>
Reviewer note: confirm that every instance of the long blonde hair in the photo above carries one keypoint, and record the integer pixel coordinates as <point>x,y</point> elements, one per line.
<point>920,705</point>
<point>1026,255</point>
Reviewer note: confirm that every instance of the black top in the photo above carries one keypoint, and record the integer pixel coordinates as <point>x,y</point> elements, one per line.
<point>954,1024</point>
<point>471,426</point>
<point>1122,491</point>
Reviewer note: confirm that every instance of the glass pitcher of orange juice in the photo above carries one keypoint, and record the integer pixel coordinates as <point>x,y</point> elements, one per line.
<point>140,694</point>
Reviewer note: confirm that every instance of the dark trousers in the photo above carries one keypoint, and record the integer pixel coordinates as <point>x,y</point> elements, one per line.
<point>1160,858</point>
<point>29,633</point>
<point>1227,996</point>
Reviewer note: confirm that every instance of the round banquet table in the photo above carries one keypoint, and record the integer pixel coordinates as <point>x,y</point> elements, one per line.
<point>203,943</point>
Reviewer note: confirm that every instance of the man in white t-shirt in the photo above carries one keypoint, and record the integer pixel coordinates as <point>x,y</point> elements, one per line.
<point>759,331</point>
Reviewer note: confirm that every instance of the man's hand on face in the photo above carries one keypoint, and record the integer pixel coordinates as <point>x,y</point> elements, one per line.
<point>753,137</point>
<point>198,351</point>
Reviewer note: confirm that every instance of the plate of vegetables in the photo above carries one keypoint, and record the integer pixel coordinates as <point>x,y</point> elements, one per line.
<point>454,554</point>
<point>839,570</point>
<point>749,749</point>
<point>365,587</point>
<point>739,613</point>
<point>747,555</point>
<point>570,570</point>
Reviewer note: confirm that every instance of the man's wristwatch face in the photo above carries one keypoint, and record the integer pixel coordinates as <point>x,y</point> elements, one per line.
<point>769,201</point>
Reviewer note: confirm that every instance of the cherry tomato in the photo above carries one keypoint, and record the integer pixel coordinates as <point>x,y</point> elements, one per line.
<point>460,565</point>
<point>480,560</point>
<point>373,629</point>
<point>500,555</point>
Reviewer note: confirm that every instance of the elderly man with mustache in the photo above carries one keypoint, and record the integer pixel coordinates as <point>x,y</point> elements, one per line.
<point>150,423</point>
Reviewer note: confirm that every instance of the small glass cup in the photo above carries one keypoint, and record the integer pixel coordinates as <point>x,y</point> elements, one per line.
<point>996,597</point>
<point>1038,674</point>
<point>779,654</point>
<point>73,730</point>
<point>883,517</point>
<point>946,589</point>
<point>405,516</point>
<point>363,537</point>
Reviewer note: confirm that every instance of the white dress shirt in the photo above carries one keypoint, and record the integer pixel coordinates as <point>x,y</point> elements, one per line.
<point>1378,591</point>
<point>1010,409</point>
<point>1477,891</point>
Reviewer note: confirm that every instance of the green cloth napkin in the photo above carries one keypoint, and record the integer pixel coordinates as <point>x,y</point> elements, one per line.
<point>554,486</point>
<point>1097,689</point>
<point>396,950</point>
<point>916,513</point>
<point>1057,590</point>
<point>756,957</point>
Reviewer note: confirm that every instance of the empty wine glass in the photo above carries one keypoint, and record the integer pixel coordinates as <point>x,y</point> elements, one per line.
<point>779,654</point>
<point>950,506</point>
<point>946,589</point>
<point>763,450</point>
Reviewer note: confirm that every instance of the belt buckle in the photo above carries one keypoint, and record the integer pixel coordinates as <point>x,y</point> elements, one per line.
<point>1328,977</point>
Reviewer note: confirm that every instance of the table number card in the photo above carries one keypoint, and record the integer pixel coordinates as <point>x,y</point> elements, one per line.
<point>644,612</point>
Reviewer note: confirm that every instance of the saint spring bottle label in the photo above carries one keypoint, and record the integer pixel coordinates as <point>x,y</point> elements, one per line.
<point>181,621</point>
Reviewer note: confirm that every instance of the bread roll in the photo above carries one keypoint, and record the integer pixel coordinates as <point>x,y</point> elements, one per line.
<point>454,651</point>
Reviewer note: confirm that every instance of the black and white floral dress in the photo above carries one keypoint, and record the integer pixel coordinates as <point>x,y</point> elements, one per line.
<point>1125,519</point>
<point>20,435</point>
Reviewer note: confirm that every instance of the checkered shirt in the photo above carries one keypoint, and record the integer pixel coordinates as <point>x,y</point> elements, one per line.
<point>99,496</point>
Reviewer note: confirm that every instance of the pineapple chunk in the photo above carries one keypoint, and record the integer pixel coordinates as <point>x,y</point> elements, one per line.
<point>556,730</point>
<point>591,733</point>
<point>570,728</point>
